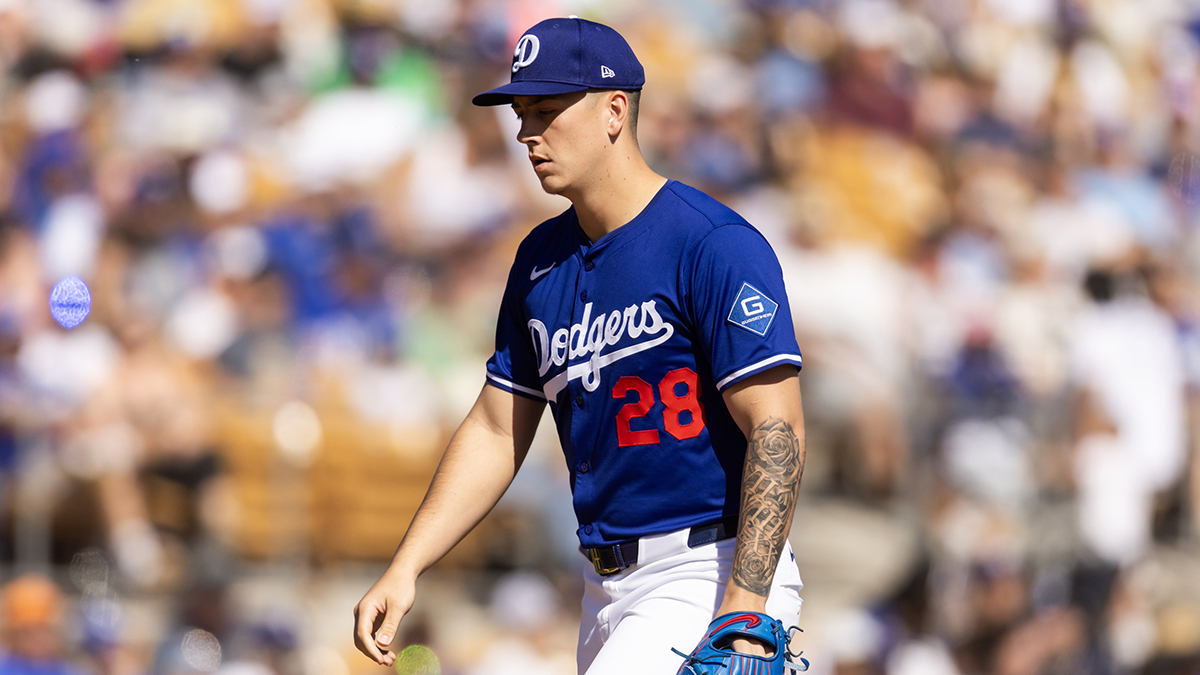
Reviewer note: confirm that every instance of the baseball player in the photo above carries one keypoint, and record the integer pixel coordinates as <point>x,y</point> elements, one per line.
<point>654,322</point>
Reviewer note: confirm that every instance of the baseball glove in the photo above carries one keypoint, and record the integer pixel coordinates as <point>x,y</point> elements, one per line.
<point>715,656</point>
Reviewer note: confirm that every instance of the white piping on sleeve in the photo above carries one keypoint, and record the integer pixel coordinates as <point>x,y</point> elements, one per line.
<point>517,387</point>
<point>780,358</point>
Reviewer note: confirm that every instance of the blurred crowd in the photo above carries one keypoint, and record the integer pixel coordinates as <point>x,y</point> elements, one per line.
<point>987,212</point>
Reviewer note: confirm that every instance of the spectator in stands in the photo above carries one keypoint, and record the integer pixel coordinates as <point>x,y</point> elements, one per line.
<point>31,618</point>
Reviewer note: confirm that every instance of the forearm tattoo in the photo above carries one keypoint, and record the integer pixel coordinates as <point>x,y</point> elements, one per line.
<point>774,462</point>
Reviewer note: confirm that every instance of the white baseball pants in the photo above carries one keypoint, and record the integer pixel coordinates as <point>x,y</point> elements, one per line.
<point>631,620</point>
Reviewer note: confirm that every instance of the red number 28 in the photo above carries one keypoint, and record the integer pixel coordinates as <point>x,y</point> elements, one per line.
<point>674,403</point>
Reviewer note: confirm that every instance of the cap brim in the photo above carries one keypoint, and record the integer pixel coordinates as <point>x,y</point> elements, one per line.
<point>504,95</point>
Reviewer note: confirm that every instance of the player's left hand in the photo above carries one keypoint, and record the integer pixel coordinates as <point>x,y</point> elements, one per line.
<point>762,637</point>
<point>739,601</point>
<point>751,647</point>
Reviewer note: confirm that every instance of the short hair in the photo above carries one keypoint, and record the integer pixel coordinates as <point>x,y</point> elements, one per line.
<point>635,98</point>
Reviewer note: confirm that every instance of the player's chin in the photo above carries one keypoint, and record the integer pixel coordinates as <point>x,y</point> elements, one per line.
<point>553,185</point>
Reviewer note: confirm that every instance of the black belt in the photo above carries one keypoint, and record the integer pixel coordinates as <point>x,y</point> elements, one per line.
<point>609,560</point>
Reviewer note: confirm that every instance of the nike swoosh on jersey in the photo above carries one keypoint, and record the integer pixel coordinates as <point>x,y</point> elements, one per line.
<point>533,276</point>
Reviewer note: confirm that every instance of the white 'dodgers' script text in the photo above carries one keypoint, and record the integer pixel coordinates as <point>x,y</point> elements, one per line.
<point>589,338</point>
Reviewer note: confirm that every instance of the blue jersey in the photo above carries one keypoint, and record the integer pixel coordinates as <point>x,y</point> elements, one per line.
<point>631,339</point>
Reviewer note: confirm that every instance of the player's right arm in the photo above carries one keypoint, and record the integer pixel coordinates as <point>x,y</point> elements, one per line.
<point>478,466</point>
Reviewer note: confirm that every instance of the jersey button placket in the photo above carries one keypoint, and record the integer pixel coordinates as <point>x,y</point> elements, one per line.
<point>580,422</point>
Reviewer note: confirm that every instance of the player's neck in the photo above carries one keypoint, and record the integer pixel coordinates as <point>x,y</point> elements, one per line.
<point>616,196</point>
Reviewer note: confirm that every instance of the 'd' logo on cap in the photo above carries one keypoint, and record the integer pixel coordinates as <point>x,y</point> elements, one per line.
<point>526,51</point>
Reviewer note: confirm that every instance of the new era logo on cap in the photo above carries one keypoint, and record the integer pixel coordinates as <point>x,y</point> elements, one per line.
<point>560,56</point>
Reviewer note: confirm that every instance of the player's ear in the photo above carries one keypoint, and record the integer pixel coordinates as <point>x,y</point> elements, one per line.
<point>617,111</point>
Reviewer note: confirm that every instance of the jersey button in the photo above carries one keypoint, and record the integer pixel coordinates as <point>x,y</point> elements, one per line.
<point>589,266</point>
<point>579,400</point>
<point>587,529</point>
<point>583,296</point>
<point>584,467</point>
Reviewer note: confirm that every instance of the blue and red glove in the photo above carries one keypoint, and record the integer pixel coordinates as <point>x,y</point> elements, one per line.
<point>715,656</point>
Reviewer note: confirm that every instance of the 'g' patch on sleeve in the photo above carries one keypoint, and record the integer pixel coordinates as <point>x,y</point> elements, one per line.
<point>752,310</point>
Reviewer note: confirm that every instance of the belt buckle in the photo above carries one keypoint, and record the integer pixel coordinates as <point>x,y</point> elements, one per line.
<point>594,556</point>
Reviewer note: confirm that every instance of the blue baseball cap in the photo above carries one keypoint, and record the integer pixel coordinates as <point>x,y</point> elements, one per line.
<point>560,56</point>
